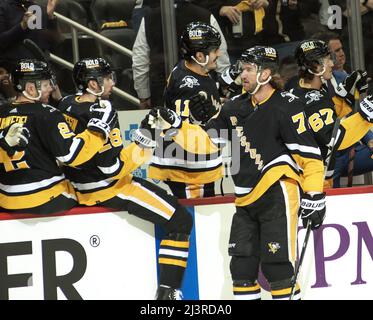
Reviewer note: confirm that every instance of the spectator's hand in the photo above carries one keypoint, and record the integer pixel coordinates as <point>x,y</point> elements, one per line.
<point>293,4</point>
<point>27,17</point>
<point>103,118</point>
<point>232,13</point>
<point>51,6</point>
<point>369,4</point>
<point>257,4</point>
<point>313,208</point>
<point>14,138</point>
<point>145,103</point>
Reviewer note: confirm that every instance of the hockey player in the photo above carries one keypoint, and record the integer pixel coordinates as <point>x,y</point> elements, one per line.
<point>190,175</point>
<point>274,143</point>
<point>106,180</point>
<point>31,181</point>
<point>322,106</point>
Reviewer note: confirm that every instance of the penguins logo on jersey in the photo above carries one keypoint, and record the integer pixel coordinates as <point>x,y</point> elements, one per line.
<point>290,95</point>
<point>190,82</point>
<point>273,247</point>
<point>312,96</point>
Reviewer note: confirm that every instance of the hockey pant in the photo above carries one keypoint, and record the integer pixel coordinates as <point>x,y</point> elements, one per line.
<point>149,202</point>
<point>264,233</point>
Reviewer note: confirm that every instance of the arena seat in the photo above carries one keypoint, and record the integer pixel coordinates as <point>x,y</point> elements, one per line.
<point>111,11</point>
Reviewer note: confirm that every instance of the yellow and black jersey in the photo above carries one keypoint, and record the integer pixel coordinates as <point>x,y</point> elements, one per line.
<point>170,161</point>
<point>100,178</point>
<point>270,141</point>
<point>322,109</point>
<point>33,177</point>
<point>182,84</point>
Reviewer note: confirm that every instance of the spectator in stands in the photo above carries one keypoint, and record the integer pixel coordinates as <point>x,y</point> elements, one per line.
<point>366,10</point>
<point>15,19</point>
<point>148,57</point>
<point>7,92</point>
<point>142,8</point>
<point>335,47</point>
<point>242,22</point>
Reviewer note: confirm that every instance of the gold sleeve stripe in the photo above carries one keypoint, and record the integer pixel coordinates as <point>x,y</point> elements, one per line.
<point>342,108</point>
<point>174,243</point>
<point>355,127</point>
<point>313,173</point>
<point>173,262</point>
<point>93,142</point>
<point>194,139</point>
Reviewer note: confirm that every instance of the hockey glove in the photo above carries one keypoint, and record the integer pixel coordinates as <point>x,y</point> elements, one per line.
<point>366,108</point>
<point>103,118</point>
<point>145,135</point>
<point>229,76</point>
<point>14,138</point>
<point>357,80</point>
<point>201,108</point>
<point>165,118</point>
<point>312,208</point>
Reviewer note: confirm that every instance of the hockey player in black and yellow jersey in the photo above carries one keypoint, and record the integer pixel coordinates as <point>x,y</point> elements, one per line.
<point>272,147</point>
<point>190,174</point>
<point>31,180</point>
<point>106,179</point>
<point>323,103</point>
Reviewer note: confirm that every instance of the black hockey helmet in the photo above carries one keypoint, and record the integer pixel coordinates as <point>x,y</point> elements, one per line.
<point>91,69</point>
<point>30,70</point>
<point>199,37</point>
<point>311,51</point>
<point>262,56</point>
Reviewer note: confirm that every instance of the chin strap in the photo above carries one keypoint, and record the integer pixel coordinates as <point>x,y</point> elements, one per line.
<point>97,94</point>
<point>259,84</point>
<point>32,98</point>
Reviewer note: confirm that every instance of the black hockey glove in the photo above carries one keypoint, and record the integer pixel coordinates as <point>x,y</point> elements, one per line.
<point>366,108</point>
<point>103,118</point>
<point>312,208</point>
<point>229,76</point>
<point>357,80</point>
<point>201,108</point>
<point>165,118</point>
<point>14,138</point>
<point>145,135</point>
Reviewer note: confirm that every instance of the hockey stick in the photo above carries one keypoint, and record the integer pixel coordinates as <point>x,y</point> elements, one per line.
<point>36,51</point>
<point>327,161</point>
